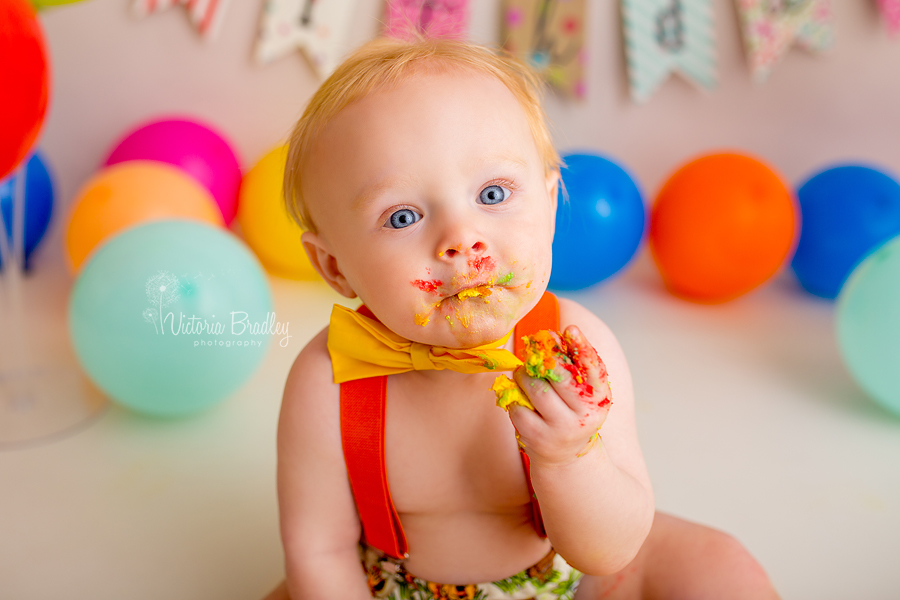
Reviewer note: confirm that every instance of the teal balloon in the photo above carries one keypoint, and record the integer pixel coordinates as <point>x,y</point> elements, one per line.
<point>868,324</point>
<point>171,317</point>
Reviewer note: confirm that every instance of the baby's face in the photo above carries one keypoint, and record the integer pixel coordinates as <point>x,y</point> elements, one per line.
<point>433,205</point>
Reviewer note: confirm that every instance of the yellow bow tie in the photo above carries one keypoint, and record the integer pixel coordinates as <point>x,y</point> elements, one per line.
<point>361,347</point>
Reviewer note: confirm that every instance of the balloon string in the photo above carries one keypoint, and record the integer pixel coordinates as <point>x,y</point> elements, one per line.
<point>13,340</point>
<point>5,250</point>
<point>18,224</point>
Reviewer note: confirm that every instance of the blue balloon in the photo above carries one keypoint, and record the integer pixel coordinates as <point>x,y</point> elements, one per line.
<point>846,212</point>
<point>601,226</point>
<point>38,204</point>
<point>170,317</point>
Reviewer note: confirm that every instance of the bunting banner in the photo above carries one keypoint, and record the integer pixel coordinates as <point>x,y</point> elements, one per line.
<point>770,27</point>
<point>890,9</point>
<point>205,15</point>
<point>316,27</point>
<point>550,35</point>
<point>666,36</point>
<point>431,18</point>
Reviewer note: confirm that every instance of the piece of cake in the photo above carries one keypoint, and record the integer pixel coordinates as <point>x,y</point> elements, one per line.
<point>548,356</point>
<point>509,393</point>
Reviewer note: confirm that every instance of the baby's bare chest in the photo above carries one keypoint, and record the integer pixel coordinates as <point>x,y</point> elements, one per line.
<point>447,453</point>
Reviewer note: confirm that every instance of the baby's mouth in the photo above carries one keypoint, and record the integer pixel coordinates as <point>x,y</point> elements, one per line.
<point>480,288</point>
<point>466,286</point>
<point>478,291</point>
<point>462,301</point>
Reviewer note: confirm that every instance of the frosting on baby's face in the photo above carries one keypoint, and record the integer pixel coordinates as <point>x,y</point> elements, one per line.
<point>432,205</point>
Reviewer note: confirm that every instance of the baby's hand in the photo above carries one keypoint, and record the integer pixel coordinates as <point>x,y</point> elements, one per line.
<point>567,384</point>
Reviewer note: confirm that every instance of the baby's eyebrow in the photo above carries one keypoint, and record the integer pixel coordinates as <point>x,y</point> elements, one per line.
<point>502,158</point>
<point>379,187</point>
<point>371,192</point>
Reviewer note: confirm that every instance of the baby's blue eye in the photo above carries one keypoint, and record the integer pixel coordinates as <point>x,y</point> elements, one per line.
<point>404,218</point>
<point>494,194</point>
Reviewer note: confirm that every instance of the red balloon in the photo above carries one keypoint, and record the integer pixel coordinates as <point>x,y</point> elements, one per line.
<point>24,79</point>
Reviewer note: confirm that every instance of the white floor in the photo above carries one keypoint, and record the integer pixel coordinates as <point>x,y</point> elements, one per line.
<point>749,423</point>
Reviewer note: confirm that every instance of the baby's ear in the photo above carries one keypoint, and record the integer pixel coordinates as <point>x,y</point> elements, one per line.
<point>325,264</point>
<point>552,180</point>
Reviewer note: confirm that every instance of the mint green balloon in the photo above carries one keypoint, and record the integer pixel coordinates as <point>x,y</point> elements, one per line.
<point>171,317</point>
<point>868,324</point>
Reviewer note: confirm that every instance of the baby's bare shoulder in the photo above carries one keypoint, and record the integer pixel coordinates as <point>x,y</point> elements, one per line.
<point>310,406</point>
<point>596,331</point>
<point>310,376</point>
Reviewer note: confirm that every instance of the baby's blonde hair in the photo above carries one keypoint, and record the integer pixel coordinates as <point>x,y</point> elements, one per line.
<point>386,61</point>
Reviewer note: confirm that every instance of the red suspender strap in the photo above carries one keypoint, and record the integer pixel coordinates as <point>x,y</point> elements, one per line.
<point>362,436</point>
<point>545,315</point>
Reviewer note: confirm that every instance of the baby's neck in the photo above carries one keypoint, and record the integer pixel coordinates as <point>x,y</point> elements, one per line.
<point>452,380</point>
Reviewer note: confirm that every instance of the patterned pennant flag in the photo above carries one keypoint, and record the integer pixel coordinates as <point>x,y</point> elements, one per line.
<point>550,35</point>
<point>890,9</point>
<point>770,27</point>
<point>662,36</point>
<point>205,15</point>
<point>318,27</point>
<point>431,18</point>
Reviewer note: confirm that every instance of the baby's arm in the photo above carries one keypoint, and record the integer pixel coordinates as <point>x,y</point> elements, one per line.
<point>598,507</point>
<point>319,524</point>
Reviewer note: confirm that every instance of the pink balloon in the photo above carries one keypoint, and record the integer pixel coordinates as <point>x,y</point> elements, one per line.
<point>196,148</point>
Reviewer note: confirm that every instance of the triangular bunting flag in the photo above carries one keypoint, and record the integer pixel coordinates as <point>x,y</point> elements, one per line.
<point>550,35</point>
<point>205,15</point>
<point>662,36</point>
<point>318,27</point>
<point>770,27</point>
<point>431,18</point>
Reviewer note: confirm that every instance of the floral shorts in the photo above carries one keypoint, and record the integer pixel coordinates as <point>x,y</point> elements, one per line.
<point>550,579</point>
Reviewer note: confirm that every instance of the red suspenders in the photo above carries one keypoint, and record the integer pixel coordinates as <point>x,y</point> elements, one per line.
<point>545,315</point>
<point>362,436</point>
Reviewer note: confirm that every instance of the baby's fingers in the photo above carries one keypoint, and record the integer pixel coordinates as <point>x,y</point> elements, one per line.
<point>584,355</point>
<point>543,397</point>
<point>528,423</point>
<point>589,372</point>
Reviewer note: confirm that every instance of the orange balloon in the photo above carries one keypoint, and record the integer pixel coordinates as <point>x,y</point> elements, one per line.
<point>129,194</point>
<point>722,225</point>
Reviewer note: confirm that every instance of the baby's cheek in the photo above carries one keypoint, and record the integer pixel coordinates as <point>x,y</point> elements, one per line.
<point>534,267</point>
<point>532,237</point>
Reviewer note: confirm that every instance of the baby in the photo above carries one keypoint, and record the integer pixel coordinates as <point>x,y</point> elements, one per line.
<point>426,182</point>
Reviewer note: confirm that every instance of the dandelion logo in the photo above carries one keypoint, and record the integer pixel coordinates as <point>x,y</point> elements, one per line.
<point>150,317</point>
<point>162,290</point>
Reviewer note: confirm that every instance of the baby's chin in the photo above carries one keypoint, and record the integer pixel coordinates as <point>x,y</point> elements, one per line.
<point>475,321</point>
<point>460,340</point>
<point>475,330</point>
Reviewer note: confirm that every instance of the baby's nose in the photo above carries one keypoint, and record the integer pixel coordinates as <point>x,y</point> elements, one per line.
<point>476,248</point>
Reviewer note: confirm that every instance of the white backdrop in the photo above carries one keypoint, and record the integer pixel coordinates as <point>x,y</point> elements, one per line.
<point>747,418</point>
